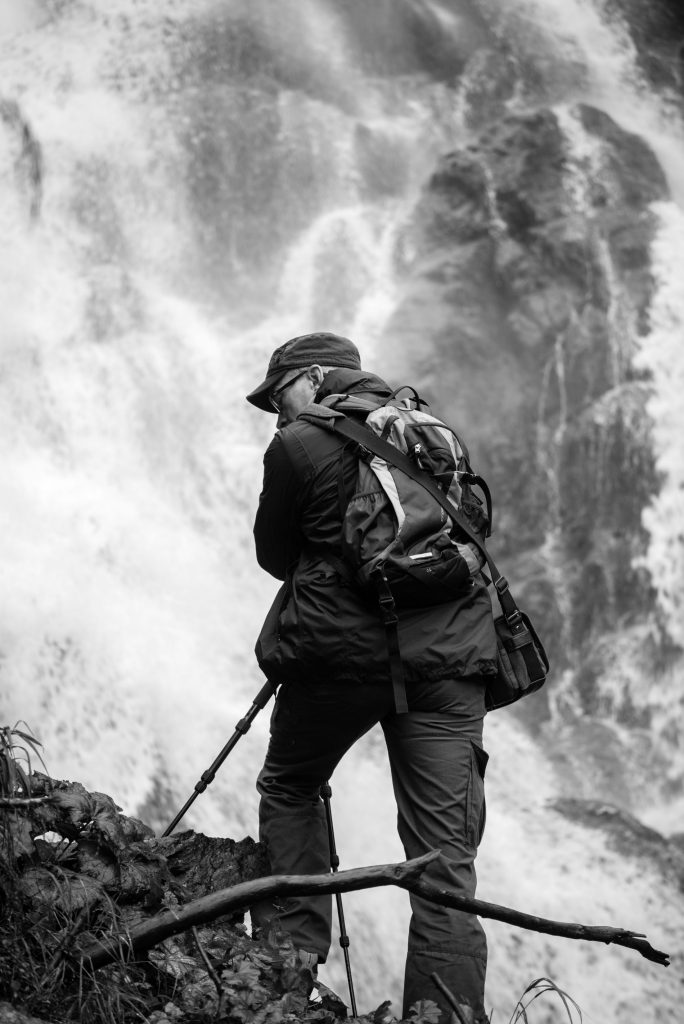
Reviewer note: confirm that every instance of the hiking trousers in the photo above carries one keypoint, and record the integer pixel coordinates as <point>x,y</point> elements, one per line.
<point>437,763</point>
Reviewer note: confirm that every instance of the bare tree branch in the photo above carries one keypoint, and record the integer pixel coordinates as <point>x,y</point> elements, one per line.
<point>590,933</point>
<point>406,875</point>
<point>240,897</point>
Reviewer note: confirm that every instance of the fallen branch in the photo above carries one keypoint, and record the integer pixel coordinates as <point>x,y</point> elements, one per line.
<point>406,875</point>
<point>591,933</point>
<point>240,897</point>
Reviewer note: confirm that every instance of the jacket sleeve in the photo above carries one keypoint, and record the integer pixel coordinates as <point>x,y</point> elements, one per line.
<point>277,530</point>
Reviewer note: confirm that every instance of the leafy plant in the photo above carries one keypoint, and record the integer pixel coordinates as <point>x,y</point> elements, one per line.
<point>16,747</point>
<point>425,1011</point>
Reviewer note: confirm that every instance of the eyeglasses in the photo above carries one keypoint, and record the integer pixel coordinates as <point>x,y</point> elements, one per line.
<point>274,397</point>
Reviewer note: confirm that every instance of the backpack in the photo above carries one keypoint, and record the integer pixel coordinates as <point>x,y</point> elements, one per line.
<point>389,529</point>
<point>396,542</point>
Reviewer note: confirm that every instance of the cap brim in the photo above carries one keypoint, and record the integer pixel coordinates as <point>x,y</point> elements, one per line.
<point>259,397</point>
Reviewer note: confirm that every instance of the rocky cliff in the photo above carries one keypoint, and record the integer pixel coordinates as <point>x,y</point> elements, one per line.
<point>526,272</point>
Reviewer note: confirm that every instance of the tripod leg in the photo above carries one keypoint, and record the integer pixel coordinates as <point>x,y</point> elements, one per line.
<point>326,793</point>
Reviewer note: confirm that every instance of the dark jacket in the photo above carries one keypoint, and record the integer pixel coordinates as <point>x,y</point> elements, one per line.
<point>320,624</point>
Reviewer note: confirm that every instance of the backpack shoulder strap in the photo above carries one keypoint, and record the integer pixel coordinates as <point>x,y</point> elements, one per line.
<point>319,414</point>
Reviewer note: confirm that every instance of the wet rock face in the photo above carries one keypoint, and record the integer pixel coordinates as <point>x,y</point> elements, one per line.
<point>630,837</point>
<point>21,158</point>
<point>265,102</point>
<point>657,29</point>
<point>526,269</point>
<point>403,36</point>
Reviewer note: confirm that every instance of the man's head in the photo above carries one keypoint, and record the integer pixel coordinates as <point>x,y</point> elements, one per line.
<point>296,370</point>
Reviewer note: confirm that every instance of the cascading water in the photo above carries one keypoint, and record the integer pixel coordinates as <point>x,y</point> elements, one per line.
<point>184,187</point>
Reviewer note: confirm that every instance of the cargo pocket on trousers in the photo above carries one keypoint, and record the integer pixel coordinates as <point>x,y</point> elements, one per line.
<point>476,807</point>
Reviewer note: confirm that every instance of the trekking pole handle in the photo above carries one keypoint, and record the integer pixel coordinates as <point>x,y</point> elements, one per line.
<point>326,793</point>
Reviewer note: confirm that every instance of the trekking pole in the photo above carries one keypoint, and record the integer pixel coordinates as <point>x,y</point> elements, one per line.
<point>326,793</point>
<point>260,701</point>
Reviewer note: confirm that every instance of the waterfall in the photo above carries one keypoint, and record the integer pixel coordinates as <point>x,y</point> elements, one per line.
<point>661,355</point>
<point>184,187</point>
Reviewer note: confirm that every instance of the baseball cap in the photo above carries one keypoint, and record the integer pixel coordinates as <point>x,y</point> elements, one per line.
<point>323,348</point>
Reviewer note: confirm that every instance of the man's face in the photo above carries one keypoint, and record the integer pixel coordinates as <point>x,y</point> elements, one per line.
<point>292,394</point>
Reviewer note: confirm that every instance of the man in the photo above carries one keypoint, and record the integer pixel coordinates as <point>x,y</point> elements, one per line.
<point>325,643</point>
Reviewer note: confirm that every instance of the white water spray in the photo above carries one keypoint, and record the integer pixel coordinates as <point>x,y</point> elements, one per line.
<point>662,355</point>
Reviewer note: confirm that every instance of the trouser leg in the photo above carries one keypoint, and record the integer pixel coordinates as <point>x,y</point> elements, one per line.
<point>437,764</point>
<point>312,727</point>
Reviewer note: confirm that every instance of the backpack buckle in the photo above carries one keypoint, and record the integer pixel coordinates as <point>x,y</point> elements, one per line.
<point>385,595</point>
<point>515,621</point>
<point>387,610</point>
<point>501,584</point>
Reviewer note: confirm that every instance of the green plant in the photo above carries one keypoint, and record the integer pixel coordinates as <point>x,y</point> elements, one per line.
<point>16,747</point>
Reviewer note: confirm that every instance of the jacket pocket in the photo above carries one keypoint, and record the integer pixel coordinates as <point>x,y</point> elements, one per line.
<point>269,637</point>
<point>476,807</point>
